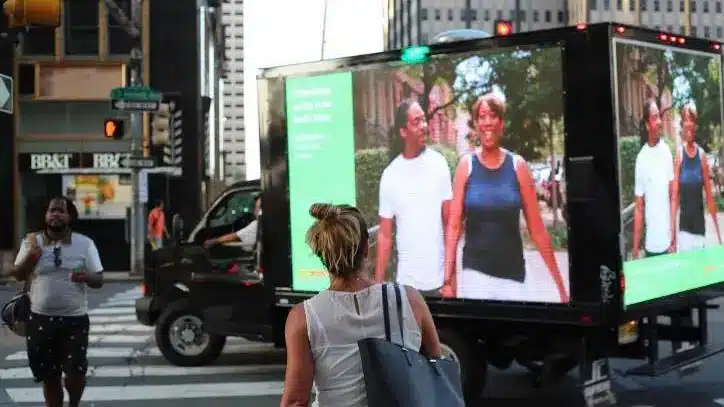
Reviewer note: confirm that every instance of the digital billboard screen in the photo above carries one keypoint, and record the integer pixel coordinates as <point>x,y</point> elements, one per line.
<point>456,164</point>
<point>669,117</point>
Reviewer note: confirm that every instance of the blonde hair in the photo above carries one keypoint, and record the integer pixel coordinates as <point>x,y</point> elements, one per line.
<point>338,237</point>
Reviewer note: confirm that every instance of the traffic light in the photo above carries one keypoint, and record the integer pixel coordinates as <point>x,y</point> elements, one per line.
<point>160,124</point>
<point>173,151</point>
<point>113,128</point>
<point>25,13</point>
<point>503,27</point>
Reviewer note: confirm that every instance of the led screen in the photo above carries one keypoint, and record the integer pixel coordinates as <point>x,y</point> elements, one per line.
<point>669,108</point>
<point>456,165</point>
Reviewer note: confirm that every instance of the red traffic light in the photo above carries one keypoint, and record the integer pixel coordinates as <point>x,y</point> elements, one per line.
<point>113,128</point>
<point>503,27</point>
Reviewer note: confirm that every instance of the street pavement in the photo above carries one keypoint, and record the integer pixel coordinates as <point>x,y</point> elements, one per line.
<point>127,369</point>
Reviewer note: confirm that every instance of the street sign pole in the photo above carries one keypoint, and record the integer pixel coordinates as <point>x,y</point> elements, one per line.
<point>137,213</point>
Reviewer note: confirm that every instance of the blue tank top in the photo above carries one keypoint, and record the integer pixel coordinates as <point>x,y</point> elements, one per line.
<point>493,244</point>
<point>691,190</point>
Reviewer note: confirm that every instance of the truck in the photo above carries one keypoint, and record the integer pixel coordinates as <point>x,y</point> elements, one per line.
<point>608,279</point>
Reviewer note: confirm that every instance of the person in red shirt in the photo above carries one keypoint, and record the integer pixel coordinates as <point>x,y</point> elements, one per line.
<point>157,226</point>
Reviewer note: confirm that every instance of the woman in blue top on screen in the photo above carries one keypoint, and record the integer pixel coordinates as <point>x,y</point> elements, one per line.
<point>491,187</point>
<point>691,172</point>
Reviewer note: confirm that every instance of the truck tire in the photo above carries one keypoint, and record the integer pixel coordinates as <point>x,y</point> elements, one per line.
<point>181,339</point>
<point>471,358</point>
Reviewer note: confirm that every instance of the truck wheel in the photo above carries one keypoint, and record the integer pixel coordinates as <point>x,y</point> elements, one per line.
<point>181,338</point>
<point>470,356</point>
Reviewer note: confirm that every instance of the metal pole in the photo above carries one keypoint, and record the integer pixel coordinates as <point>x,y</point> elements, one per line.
<point>324,29</point>
<point>687,17</point>
<point>468,11</point>
<point>137,215</point>
<point>517,16</point>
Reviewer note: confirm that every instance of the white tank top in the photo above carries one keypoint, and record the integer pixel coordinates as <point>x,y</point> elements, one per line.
<point>335,324</point>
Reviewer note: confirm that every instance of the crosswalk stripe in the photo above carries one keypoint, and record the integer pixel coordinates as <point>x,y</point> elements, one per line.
<point>112,319</point>
<point>18,373</point>
<point>119,303</point>
<point>113,311</point>
<point>99,353</point>
<point>118,339</point>
<point>97,329</point>
<point>159,392</point>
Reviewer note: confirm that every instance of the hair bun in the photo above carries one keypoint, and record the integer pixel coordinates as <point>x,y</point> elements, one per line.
<point>323,211</point>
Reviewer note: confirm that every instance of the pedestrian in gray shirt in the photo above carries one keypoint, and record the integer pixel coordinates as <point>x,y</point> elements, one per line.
<point>60,264</point>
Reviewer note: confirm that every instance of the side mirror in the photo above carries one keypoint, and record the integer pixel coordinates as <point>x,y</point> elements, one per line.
<point>177,229</point>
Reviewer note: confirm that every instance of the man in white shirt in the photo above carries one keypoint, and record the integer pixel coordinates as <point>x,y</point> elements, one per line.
<point>414,196</point>
<point>653,190</point>
<point>60,264</point>
<point>246,236</point>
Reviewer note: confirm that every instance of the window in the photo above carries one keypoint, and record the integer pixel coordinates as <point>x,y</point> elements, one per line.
<point>499,14</point>
<point>593,4</point>
<point>424,38</point>
<point>707,32</point>
<point>681,6</point>
<point>718,32</point>
<point>657,5</point>
<point>706,6</point>
<point>548,16</point>
<point>119,42</point>
<point>522,15</point>
<point>560,16</point>
<point>681,29</point>
<point>693,6</point>
<point>39,41</point>
<point>423,14</point>
<point>669,29</point>
<point>536,16</point>
<point>644,5</point>
<point>512,15</point>
<point>450,15</point>
<point>717,7</point>
<point>474,15</point>
<point>619,5</point>
<point>437,14</point>
<point>693,31</point>
<point>631,6</point>
<point>81,27</point>
<point>669,6</point>
<point>234,211</point>
<point>486,15</point>
<point>606,5</point>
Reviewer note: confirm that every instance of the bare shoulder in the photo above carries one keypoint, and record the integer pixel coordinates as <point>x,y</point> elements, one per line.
<point>296,320</point>
<point>414,297</point>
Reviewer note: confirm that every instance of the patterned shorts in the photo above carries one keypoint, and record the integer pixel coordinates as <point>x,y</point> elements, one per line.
<point>57,345</point>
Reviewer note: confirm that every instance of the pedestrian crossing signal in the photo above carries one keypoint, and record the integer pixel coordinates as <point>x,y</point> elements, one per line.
<point>113,128</point>
<point>26,13</point>
<point>503,27</point>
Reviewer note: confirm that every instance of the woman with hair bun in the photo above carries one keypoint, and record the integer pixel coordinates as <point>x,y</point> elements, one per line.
<point>322,332</point>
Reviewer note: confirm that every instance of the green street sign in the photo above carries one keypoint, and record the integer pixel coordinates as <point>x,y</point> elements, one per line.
<point>136,93</point>
<point>415,54</point>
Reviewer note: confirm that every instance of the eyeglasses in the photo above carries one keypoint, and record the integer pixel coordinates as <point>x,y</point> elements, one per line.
<point>56,253</point>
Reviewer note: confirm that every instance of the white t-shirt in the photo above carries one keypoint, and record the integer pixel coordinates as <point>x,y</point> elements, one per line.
<point>247,235</point>
<point>51,291</point>
<point>653,173</point>
<point>412,192</point>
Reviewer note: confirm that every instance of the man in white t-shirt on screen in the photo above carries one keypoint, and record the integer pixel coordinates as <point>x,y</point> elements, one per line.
<point>415,193</point>
<point>653,190</point>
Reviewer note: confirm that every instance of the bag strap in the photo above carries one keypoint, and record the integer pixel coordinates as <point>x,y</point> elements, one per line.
<point>32,239</point>
<point>386,312</point>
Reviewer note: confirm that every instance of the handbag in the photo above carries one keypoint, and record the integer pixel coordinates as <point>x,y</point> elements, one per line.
<point>399,377</point>
<point>16,312</point>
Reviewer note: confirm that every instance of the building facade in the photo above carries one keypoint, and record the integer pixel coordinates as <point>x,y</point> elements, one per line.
<point>234,133</point>
<point>411,22</point>
<point>63,80</point>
